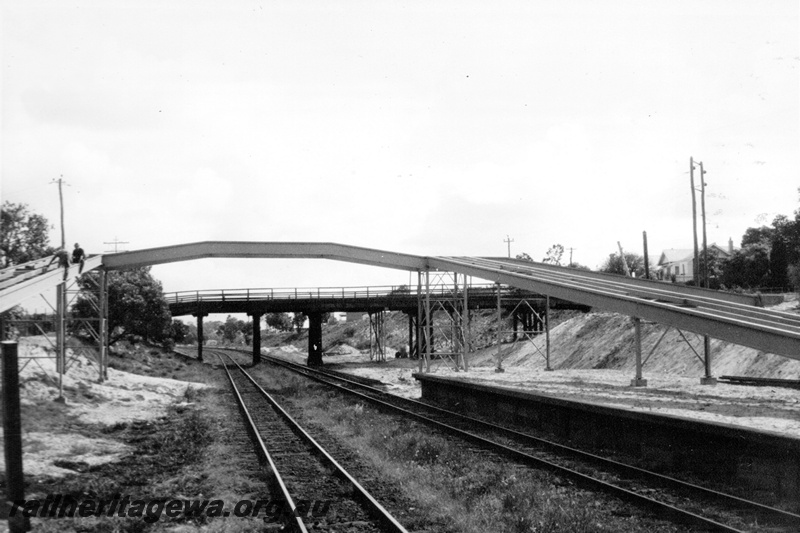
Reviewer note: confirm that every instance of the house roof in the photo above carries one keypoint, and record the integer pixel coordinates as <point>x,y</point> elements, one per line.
<point>672,255</point>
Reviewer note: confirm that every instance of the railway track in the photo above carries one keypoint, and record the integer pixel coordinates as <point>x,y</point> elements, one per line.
<point>318,493</point>
<point>675,499</point>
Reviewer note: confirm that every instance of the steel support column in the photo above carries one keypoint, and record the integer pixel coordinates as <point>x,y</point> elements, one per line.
<point>314,339</point>
<point>61,341</point>
<point>465,325</point>
<point>410,336</point>
<point>708,379</point>
<point>428,322</point>
<point>637,333</point>
<point>201,339</point>
<point>420,335</point>
<point>547,333</point>
<point>102,327</point>
<point>256,337</point>
<point>499,338</point>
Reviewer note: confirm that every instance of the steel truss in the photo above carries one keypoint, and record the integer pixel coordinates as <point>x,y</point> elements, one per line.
<point>535,321</point>
<point>639,381</point>
<point>448,339</point>
<point>377,336</point>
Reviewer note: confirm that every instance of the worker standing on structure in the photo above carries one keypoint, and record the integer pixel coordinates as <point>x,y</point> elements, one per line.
<point>78,256</point>
<point>63,260</point>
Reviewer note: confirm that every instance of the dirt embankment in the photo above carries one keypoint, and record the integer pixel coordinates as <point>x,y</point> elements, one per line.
<point>606,341</point>
<point>594,340</point>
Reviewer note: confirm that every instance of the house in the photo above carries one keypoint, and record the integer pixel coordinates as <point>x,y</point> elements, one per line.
<point>677,264</point>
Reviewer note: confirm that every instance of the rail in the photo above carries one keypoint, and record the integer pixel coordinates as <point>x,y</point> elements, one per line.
<point>471,429</point>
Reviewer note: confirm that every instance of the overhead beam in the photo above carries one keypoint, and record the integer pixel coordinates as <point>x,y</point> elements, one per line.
<point>778,339</point>
<point>670,290</point>
<point>264,250</point>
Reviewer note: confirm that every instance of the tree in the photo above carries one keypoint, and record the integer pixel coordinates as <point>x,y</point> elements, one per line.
<point>614,265</point>
<point>578,266</point>
<point>23,235</point>
<point>525,257</point>
<point>298,320</point>
<point>136,305</point>
<point>279,321</point>
<point>230,329</point>
<point>779,262</point>
<point>762,235</point>
<point>747,268</point>
<point>179,331</point>
<point>554,254</point>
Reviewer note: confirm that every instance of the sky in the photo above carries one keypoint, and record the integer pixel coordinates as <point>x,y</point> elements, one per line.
<point>431,128</point>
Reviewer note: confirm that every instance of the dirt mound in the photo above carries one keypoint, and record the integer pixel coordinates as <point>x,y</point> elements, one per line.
<point>606,341</point>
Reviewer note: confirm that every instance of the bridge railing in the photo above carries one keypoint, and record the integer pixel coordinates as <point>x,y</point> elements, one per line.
<point>326,293</point>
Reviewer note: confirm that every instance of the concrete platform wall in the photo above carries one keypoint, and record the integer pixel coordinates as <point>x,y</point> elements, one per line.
<point>764,465</point>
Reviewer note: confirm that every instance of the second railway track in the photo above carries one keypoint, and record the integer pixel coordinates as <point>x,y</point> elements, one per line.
<point>673,498</point>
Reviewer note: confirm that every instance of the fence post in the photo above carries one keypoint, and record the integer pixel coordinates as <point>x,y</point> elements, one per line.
<point>12,428</point>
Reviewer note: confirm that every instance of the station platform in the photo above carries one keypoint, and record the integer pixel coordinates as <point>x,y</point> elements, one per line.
<point>760,462</point>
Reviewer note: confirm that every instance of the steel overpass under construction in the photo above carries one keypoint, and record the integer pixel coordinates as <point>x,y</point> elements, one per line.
<point>730,317</point>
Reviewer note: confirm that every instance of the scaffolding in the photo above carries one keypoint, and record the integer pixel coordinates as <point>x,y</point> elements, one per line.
<point>445,340</point>
<point>534,316</point>
<point>93,325</point>
<point>377,336</point>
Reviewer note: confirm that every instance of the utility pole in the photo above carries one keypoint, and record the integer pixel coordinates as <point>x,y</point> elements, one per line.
<point>570,255</point>
<point>115,242</point>
<point>646,259</point>
<point>703,210</point>
<point>708,379</point>
<point>508,240</point>
<point>61,204</point>
<point>696,262</point>
<point>622,257</point>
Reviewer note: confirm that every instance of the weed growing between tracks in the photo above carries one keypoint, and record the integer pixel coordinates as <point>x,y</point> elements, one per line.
<point>468,489</point>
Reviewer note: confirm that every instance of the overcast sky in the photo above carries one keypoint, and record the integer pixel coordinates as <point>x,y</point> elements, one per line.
<point>435,128</point>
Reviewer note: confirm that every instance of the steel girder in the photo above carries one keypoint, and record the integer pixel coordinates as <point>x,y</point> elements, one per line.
<point>254,250</point>
<point>769,331</point>
<point>720,315</point>
<point>18,293</point>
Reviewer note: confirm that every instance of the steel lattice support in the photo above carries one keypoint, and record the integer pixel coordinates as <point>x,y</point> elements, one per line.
<point>535,321</point>
<point>377,336</point>
<point>94,326</point>
<point>444,313</point>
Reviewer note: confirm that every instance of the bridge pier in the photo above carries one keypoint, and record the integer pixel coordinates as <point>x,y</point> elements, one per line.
<point>256,337</point>
<point>314,338</point>
<point>200,337</point>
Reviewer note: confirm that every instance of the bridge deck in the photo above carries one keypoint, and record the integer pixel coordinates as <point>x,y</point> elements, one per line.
<point>364,299</point>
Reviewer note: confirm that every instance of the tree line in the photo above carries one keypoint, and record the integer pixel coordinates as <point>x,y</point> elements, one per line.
<point>768,258</point>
